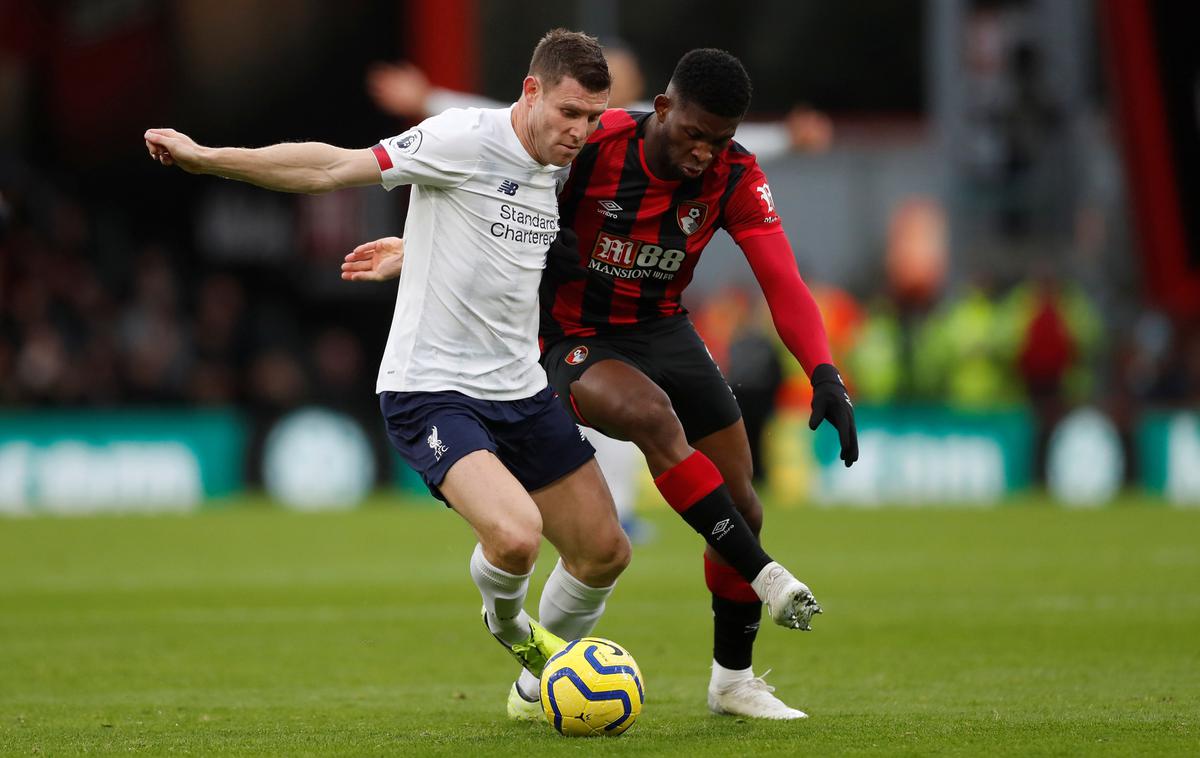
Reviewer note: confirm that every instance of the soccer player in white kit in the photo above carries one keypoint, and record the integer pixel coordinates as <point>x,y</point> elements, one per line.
<point>465,400</point>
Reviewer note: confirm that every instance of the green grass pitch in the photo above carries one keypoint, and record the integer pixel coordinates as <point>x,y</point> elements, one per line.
<point>1015,631</point>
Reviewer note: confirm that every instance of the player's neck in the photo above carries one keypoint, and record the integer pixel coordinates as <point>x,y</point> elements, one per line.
<point>653,152</point>
<point>522,125</point>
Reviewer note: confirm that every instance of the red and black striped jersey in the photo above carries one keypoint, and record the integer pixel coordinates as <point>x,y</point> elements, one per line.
<point>630,241</point>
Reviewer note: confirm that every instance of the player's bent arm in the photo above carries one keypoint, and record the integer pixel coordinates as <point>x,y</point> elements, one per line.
<point>793,308</point>
<point>306,167</point>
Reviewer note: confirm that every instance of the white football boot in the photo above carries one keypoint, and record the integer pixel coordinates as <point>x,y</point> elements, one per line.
<point>520,709</point>
<point>790,603</point>
<point>752,698</point>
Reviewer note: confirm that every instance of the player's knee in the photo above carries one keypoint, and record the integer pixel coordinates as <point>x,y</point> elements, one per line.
<point>606,560</point>
<point>649,418</point>
<point>515,547</point>
<point>619,554</point>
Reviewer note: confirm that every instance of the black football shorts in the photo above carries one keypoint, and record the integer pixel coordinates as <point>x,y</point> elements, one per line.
<point>670,353</point>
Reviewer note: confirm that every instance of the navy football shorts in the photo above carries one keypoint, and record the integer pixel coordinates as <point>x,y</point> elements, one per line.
<point>533,437</point>
<point>670,353</point>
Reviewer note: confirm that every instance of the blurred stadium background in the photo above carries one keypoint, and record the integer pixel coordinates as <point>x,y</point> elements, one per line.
<point>997,202</point>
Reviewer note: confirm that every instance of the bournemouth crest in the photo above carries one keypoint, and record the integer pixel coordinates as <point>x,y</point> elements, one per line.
<point>690,216</point>
<point>577,356</point>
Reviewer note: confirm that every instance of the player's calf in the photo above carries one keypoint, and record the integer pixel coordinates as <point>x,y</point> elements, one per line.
<point>695,490</point>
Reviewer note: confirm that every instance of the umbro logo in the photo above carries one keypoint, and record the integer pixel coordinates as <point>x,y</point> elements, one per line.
<point>508,187</point>
<point>722,528</point>
<point>608,208</point>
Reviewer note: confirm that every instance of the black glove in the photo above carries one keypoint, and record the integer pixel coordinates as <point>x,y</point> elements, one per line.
<point>832,402</point>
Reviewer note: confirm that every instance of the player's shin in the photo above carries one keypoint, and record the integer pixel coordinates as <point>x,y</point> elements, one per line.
<point>736,615</point>
<point>695,489</point>
<point>503,598</point>
<point>570,609</point>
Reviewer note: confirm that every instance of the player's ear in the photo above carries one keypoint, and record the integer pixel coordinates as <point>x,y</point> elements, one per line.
<point>531,88</point>
<point>662,104</point>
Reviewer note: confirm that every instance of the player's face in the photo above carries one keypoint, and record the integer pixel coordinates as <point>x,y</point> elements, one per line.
<point>691,136</point>
<point>562,118</point>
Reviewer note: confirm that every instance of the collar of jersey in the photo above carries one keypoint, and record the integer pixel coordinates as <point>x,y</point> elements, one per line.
<point>641,144</point>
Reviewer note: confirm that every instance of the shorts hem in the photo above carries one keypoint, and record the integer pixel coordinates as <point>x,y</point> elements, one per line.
<point>567,470</point>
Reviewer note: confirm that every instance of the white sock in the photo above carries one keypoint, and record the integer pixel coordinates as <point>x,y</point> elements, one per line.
<point>570,609</point>
<point>723,678</point>
<point>503,597</point>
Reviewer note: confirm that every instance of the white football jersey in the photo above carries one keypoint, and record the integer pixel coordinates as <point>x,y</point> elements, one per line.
<point>481,218</point>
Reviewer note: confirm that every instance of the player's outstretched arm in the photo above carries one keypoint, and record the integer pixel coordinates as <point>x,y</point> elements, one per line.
<point>798,321</point>
<point>307,167</point>
<point>376,261</point>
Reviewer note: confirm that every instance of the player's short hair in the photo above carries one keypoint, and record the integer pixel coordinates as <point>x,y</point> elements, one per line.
<point>564,53</point>
<point>714,80</point>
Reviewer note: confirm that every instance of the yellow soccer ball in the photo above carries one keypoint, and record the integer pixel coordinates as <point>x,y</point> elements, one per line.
<point>592,687</point>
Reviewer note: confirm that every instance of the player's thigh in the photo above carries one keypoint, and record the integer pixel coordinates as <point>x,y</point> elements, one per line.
<point>505,519</point>
<point>699,394</point>
<point>432,430</point>
<point>599,381</point>
<point>538,441</point>
<point>621,400</point>
<point>580,520</point>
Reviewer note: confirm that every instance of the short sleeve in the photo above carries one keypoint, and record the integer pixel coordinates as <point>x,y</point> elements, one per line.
<point>750,211</point>
<point>442,151</point>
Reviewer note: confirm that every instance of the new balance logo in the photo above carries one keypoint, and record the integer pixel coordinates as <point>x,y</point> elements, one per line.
<point>722,528</point>
<point>436,444</point>
<point>508,187</point>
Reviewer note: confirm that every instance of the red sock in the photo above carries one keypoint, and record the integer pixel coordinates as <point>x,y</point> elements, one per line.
<point>724,581</point>
<point>688,481</point>
<point>695,489</point>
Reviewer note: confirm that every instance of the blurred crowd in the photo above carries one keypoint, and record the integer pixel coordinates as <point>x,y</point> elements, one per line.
<point>153,325</point>
<point>1039,341</point>
<point>90,323</point>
